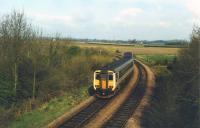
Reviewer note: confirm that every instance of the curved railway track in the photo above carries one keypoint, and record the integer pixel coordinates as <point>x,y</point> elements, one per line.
<point>120,117</point>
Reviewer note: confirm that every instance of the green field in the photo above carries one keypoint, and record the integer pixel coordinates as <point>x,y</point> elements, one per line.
<point>156,59</point>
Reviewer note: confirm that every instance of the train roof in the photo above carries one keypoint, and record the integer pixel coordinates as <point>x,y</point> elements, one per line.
<point>115,64</point>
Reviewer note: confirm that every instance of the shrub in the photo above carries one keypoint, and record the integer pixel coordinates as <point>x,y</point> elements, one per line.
<point>175,102</point>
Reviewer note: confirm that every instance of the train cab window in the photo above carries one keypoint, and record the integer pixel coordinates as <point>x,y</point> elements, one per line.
<point>97,76</point>
<point>110,77</point>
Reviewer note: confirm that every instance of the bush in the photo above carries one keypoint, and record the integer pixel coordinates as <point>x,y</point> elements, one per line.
<point>175,102</point>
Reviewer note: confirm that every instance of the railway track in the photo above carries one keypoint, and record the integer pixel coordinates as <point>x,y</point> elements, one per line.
<point>83,116</point>
<point>120,117</point>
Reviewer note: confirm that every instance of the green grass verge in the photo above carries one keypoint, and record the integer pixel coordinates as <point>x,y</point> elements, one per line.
<point>47,112</point>
<point>156,59</point>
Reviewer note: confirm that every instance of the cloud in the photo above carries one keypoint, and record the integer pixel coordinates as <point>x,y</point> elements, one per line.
<point>130,12</point>
<point>163,24</point>
<point>123,19</point>
<point>127,14</point>
<point>194,7</point>
<point>43,17</point>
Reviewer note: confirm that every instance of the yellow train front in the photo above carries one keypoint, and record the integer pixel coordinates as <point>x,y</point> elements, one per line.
<point>104,83</point>
<point>108,79</point>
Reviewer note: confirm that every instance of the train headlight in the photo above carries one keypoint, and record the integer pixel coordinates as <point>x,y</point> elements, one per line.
<point>110,87</point>
<point>97,86</point>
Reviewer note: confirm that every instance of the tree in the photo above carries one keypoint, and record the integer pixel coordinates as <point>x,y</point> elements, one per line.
<point>15,31</point>
<point>186,69</point>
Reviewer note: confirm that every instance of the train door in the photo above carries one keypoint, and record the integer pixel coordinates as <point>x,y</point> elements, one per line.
<point>104,81</point>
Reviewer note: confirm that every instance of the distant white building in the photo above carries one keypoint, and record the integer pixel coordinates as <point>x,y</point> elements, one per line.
<point>53,39</point>
<point>141,42</point>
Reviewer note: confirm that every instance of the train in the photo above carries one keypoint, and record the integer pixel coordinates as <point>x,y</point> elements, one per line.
<point>108,80</point>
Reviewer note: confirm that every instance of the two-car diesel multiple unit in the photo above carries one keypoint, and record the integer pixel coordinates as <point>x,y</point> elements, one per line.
<point>107,80</point>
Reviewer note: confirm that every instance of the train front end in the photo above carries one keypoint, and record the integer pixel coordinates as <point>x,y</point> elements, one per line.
<point>104,83</point>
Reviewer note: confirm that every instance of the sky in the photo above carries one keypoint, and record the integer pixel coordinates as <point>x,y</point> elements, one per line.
<point>110,19</point>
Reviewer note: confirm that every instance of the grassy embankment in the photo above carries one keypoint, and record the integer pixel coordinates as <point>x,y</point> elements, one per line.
<point>50,110</point>
<point>175,101</point>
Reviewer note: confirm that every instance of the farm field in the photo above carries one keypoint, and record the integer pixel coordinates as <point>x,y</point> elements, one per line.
<point>134,49</point>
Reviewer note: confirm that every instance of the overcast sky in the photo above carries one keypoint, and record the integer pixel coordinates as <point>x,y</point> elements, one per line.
<point>111,19</point>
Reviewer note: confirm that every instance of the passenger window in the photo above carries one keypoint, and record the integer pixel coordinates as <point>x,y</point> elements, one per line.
<point>117,77</point>
<point>110,77</point>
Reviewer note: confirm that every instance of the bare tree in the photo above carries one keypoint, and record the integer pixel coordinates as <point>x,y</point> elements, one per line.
<point>14,32</point>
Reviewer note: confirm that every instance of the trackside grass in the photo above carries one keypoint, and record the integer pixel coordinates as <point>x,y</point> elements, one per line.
<point>155,59</point>
<point>47,112</point>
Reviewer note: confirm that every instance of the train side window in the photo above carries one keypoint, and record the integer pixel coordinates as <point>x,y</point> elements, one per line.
<point>110,77</point>
<point>97,76</point>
